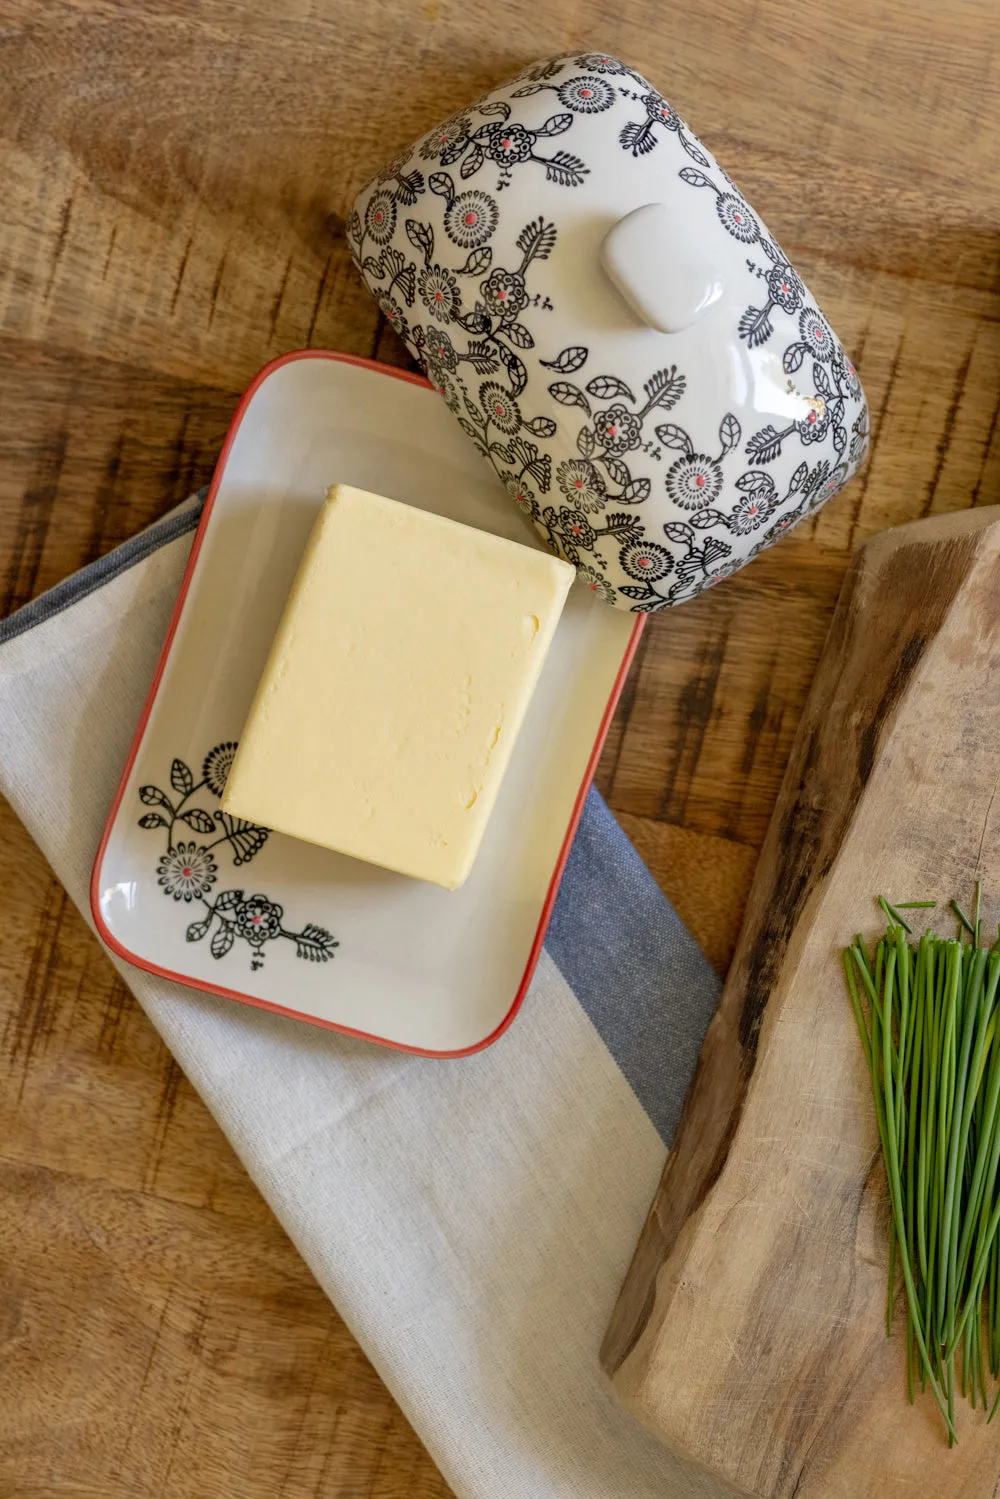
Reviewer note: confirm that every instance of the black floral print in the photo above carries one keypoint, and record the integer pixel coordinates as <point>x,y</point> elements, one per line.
<point>596,582</point>
<point>586,95</point>
<point>735,214</point>
<point>694,481</point>
<point>640,136</point>
<point>403,187</point>
<point>392,312</point>
<point>472,308</point>
<point>618,429</point>
<point>815,334</point>
<point>500,407</point>
<point>495,333</point>
<point>646,560</point>
<point>853,386</point>
<point>216,766</point>
<point>504,293</point>
<point>257,920</point>
<point>817,481</point>
<point>521,494</point>
<point>471,218</point>
<point>506,145</point>
<point>440,349</point>
<point>574,526</point>
<point>785,288</point>
<point>748,514</point>
<point>815,424</point>
<point>600,476</point>
<point>446,389</point>
<point>598,62</point>
<point>380,218</point>
<point>659,110</point>
<point>822,411</point>
<point>736,218</point>
<point>832,387</point>
<point>438,292</point>
<point>443,139</point>
<point>187,870</point>
<point>860,429</point>
<point>393,169</point>
<point>579,481</point>
<point>784,291</point>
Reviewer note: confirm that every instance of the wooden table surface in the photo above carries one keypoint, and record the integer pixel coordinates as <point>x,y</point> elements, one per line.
<point>176,175</point>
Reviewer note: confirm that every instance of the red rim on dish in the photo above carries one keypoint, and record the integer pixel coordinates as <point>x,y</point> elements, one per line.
<point>249,999</point>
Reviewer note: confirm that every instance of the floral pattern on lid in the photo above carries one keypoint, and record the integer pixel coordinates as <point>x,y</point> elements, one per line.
<point>656,463</point>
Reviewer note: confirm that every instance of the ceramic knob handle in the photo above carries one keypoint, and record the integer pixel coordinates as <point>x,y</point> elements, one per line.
<point>668,281</point>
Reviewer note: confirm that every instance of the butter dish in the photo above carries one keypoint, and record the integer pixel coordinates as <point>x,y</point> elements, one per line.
<point>190,892</point>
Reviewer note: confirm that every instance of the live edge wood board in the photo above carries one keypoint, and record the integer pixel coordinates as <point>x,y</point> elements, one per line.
<point>750,1333</point>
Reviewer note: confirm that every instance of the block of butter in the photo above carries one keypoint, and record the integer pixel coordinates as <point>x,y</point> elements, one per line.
<point>396,685</point>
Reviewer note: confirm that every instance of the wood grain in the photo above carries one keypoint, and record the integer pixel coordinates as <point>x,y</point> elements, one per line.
<point>176,175</point>
<point>750,1330</point>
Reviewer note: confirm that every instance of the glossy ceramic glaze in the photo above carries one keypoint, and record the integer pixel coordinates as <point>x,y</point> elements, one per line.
<point>185,891</point>
<point>614,328</point>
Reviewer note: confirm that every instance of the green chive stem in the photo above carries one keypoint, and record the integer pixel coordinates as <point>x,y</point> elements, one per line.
<point>927,1013</point>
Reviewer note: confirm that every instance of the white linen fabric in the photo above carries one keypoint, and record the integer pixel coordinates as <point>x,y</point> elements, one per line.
<point>471,1219</point>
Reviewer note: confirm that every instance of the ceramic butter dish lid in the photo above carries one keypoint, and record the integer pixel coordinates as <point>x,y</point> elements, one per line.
<point>613,327</point>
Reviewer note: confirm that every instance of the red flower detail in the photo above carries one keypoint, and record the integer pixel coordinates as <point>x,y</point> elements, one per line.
<point>186,871</point>
<point>700,480</point>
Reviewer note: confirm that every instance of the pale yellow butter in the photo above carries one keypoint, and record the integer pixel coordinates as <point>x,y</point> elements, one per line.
<point>396,686</point>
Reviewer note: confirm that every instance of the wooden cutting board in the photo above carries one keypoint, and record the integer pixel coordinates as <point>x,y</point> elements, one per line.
<point>749,1334</point>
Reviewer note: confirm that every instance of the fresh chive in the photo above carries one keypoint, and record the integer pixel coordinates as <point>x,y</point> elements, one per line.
<point>963,919</point>
<point>893,914</point>
<point>927,1012</point>
<point>896,1198</point>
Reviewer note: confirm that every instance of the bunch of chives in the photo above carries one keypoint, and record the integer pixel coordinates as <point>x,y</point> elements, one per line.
<point>927,1013</point>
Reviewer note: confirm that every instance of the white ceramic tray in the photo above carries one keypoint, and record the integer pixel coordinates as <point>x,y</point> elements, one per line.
<point>180,891</point>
